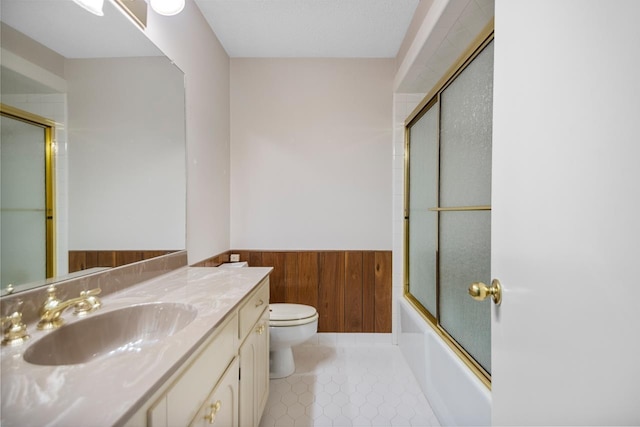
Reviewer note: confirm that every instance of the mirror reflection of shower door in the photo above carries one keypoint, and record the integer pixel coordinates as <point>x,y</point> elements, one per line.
<point>26,225</point>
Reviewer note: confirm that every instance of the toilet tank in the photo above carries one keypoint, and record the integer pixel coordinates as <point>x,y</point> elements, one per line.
<point>234,264</point>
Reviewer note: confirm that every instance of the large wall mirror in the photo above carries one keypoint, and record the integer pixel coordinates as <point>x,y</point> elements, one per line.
<point>92,99</point>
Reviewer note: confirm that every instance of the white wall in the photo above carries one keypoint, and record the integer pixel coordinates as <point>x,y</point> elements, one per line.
<point>189,41</point>
<point>311,153</point>
<point>126,154</point>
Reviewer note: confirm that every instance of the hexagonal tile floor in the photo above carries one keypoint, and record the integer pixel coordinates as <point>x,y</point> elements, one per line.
<point>359,384</point>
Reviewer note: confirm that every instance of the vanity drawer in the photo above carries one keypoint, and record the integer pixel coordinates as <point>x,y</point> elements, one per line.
<point>187,394</point>
<point>252,309</point>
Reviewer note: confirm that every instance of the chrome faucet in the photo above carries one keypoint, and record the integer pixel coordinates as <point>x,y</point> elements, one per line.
<point>53,307</point>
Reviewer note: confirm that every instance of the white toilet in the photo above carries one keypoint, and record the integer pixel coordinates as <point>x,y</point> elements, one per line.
<point>289,325</point>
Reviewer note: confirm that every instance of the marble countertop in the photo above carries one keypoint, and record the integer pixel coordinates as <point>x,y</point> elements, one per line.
<point>109,390</point>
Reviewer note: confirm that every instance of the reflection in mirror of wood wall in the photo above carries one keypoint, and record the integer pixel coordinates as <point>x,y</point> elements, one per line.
<point>350,289</point>
<point>82,260</point>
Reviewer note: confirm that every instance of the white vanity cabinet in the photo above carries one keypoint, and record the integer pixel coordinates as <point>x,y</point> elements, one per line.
<point>189,392</point>
<point>226,381</point>
<point>254,356</point>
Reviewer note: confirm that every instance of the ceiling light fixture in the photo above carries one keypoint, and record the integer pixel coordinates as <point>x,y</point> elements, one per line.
<point>167,7</point>
<point>93,6</point>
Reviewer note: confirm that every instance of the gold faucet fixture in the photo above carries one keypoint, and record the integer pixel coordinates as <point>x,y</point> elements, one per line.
<point>16,332</point>
<point>53,307</point>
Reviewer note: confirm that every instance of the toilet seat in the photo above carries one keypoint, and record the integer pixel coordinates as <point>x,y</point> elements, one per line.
<point>291,314</point>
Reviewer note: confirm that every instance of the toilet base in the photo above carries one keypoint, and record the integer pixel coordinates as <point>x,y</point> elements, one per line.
<point>281,363</point>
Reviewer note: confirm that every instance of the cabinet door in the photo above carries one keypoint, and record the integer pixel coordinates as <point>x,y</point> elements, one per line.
<point>190,390</point>
<point>221,407</point>
<point>254,372</point>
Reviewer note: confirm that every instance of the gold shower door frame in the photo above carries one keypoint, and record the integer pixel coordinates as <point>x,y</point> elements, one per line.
<point>48,126</point>
<point>433,99</point>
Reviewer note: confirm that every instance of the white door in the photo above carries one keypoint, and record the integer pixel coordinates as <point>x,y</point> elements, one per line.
<point>566,213</point>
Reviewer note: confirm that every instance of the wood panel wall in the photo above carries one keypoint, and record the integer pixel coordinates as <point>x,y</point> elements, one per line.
<point>81,260</point>
<point>350,289</point>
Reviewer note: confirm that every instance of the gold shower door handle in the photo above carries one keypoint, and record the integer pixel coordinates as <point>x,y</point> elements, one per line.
<point>479,291</point>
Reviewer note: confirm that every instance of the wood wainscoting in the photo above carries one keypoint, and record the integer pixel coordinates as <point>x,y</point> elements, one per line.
<point>81,260</point>
<point>350,289</point>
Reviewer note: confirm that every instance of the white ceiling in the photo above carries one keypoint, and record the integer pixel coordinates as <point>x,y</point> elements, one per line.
<point>309,28</point>
<point>246,28</point>
<point>261,28</point>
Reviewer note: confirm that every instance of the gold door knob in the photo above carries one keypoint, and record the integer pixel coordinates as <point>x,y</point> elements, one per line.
<point>479,291</point>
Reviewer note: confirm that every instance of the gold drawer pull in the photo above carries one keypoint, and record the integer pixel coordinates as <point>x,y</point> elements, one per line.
<point>260,329</point>
<point>259,303</point>
<point>215,408</point>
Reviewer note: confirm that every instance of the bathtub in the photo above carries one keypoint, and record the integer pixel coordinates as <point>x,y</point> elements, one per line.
<point>456,395</point>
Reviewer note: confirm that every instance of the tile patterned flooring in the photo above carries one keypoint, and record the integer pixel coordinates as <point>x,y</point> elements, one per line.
<point>348,380</point>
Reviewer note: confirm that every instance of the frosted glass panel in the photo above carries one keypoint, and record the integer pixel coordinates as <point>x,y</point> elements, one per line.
<point>423,194</point>
<point>23,161</point>
<point>422,259</point>
<point>23,237</point>
<point>466,126</point>
<point>465,257</point>
<point>23,247</point>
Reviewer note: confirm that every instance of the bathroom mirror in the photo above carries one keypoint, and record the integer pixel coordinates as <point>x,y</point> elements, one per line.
<point>114,107</point>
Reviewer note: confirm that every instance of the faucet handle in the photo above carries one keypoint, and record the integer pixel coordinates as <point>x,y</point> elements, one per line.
<point>52,300</point>
<point>16,333</point>
<point>89,302</point>
<point>91,292</point>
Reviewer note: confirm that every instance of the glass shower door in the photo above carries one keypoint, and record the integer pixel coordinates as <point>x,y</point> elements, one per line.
<point>465,198</point>
<point>448,209</point>
<point>23,208</point>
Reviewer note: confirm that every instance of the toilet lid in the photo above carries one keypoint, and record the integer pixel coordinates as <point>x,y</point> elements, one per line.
<point>290,311</point>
